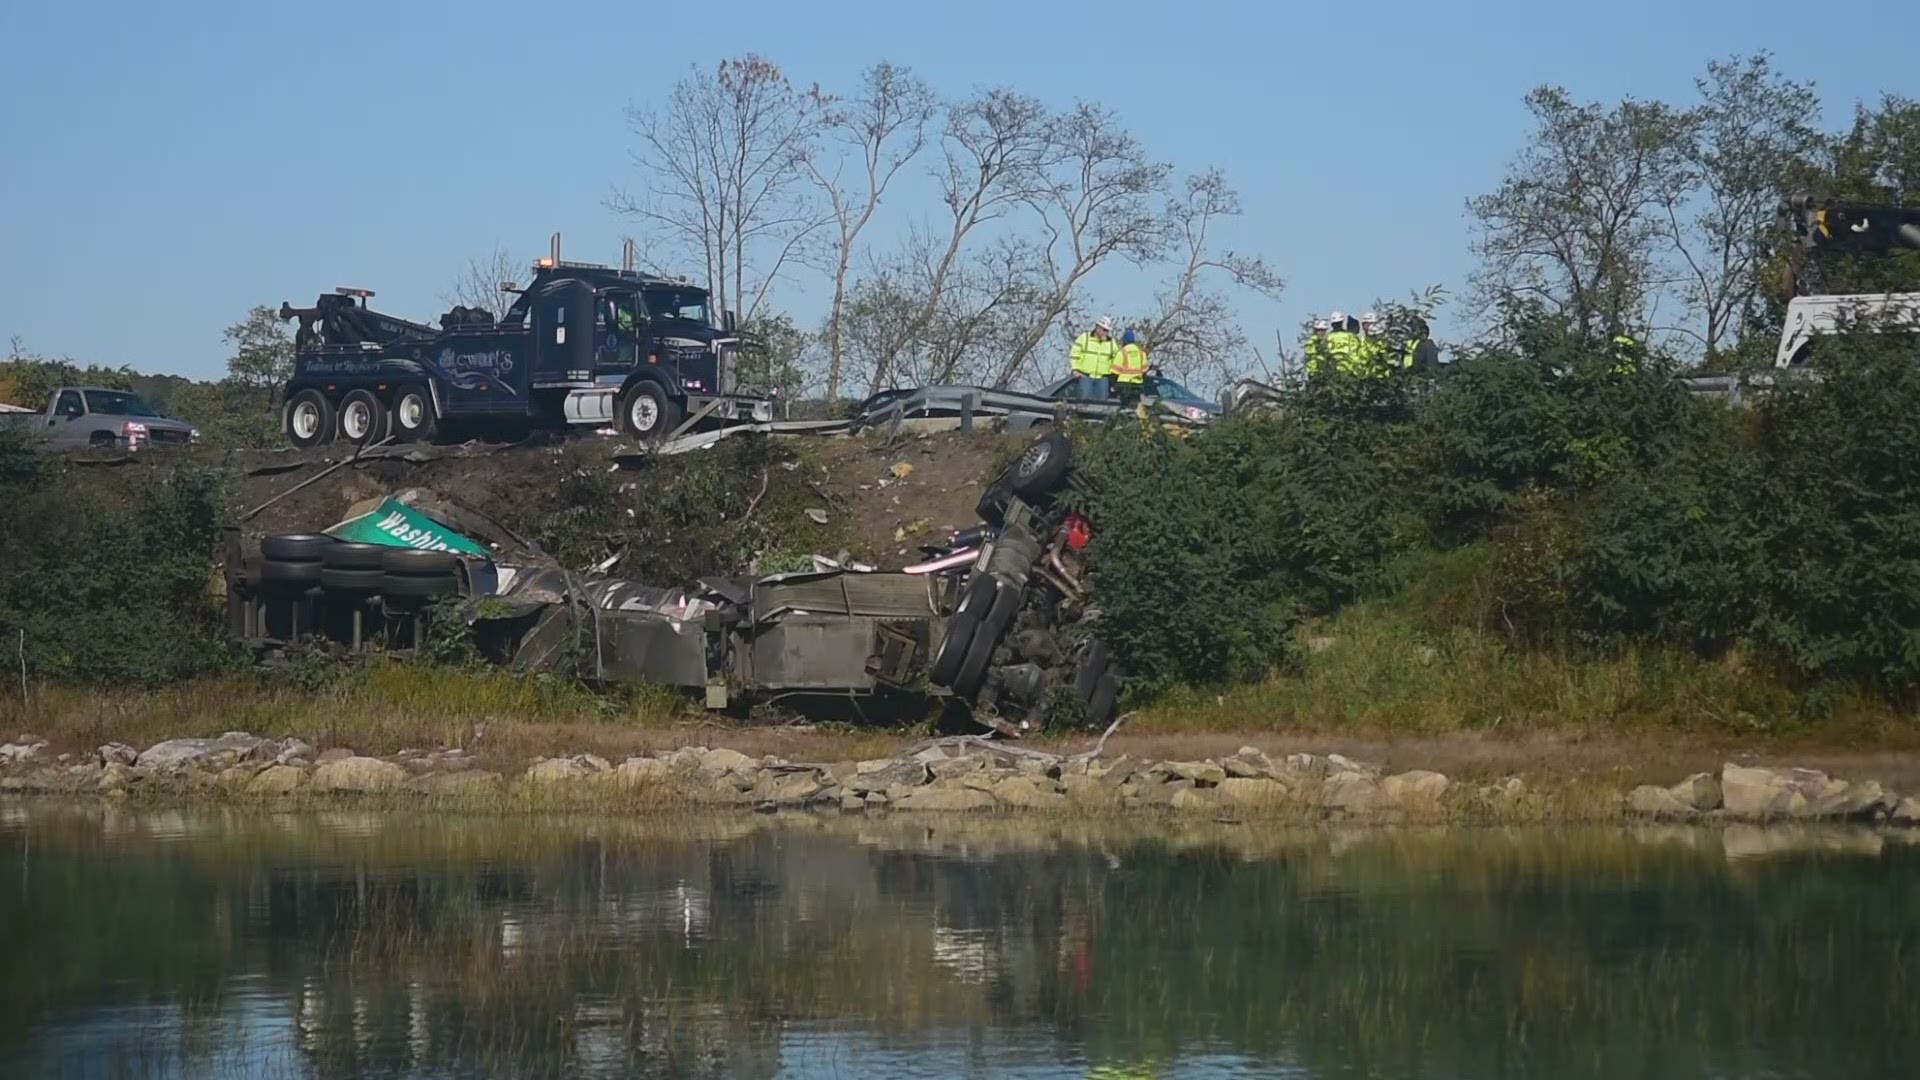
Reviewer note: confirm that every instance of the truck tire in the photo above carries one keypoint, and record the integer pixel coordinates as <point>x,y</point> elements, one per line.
<point>363,418</point>
<point>973,669</point>
<point>354,556</point>
<point>414,418</point>
<point>1093,667</point>
<point>308,419</point>
<point>647,413</point>
<point>300,574</point>
<point>351,581</point>
<point>412,562</point>
<point>951,653</point>
<point>296,547</point>
<point>1042,466</point>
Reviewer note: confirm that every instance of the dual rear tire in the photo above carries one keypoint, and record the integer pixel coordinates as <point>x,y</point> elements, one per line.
<point>360,417</point>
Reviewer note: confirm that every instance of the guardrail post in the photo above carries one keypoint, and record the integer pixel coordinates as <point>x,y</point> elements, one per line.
<point>968,403</point>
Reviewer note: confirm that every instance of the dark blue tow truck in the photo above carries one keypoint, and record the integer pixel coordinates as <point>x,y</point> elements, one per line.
<point>583,344</point>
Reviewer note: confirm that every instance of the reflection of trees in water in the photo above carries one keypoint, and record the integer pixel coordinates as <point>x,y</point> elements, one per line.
<point>589,951</point>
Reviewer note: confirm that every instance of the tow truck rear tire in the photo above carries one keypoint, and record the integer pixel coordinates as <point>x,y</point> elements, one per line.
<point>414,419</point>
<point>308,420</point>
<point>363,418</point>
<point>647,413</point>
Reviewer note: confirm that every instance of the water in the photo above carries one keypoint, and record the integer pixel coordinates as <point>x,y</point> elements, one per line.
<point>241,943</point>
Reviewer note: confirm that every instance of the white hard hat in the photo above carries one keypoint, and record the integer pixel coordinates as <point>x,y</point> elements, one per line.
<point>1322,324</point>
<point>1105,323</point>
<point>1338,316</point>
<point>1369,316</point>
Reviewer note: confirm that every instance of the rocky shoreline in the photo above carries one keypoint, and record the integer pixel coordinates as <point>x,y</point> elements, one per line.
<point>941,775</point>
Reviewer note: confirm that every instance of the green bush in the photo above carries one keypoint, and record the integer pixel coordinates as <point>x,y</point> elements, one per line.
<point>109,593</point>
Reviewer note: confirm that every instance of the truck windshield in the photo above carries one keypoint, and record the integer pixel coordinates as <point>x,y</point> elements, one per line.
<point>689,304</point>
<point>117,403</point>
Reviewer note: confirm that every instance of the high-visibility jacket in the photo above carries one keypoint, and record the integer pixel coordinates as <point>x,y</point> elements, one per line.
<point>1092,356</point>
<point>1344,347</point>
<point>1373,354</point>
<point>1319,356</point>
<point>1130,364</point>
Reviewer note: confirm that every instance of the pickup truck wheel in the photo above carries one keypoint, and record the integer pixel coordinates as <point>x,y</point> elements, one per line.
<point>363,419</point>
<point>308,421</point>
<point>413,417</point>
<point>1043,465</point>
<point>646,413</point>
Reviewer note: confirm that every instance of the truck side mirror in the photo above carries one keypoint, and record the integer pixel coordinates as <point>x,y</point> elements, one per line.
<point>730,321</point>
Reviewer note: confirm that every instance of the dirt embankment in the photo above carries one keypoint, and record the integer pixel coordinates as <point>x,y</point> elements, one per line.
<point>881,499</point>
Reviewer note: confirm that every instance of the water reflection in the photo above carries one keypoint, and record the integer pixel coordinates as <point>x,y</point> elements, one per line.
<point>224,942</point>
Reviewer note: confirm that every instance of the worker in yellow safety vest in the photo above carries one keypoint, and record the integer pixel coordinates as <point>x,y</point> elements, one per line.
<point>1092,359</point>
<point>1130,366</point>
<point>1373,352</point>
<point>1319,360</point>
<point>1420,354</point>
<point>1627,354</point>
<point>1344,345</point>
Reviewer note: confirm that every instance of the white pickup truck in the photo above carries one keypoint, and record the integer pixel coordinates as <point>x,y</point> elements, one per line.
<point>1810,318</point>
<point>94,418</point>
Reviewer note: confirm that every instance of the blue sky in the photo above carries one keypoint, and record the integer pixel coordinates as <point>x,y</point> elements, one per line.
<point>167,166</point>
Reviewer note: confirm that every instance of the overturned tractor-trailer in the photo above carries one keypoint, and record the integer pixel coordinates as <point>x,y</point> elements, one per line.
<point>996,619</point>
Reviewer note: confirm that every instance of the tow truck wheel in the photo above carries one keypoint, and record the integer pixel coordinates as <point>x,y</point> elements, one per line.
<point>309,419</point>
<point>413,417</point>
<point>363,419</point>
<point>646,413</point>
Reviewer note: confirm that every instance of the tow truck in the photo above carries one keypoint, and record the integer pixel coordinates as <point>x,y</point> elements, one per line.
<point>1824,228</point>
<point>584,344</point>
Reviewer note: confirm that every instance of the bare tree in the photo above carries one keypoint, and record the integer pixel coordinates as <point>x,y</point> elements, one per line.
<point>1100,200</point>
<point>1577,223</point>
<point>878,131</point>
<point>721,165</point>
<point>478,283</point>
<point>1194,330</point>
<point>994,151</point>
<point>1750,130</point>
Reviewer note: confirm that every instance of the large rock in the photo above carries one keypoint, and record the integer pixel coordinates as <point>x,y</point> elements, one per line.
<point>116,777</point>
<point>1249,763</point>
<point>1701,791</point>
<point>338,753</point>
<point>293,750</point>
<point>1764,793</point>
<point>1028,793</point>
<point>212,754</point>
<point>1251,791</point>
<point>640,772</point>
<point>890,775</point>
<point>792,789</point>
<point>1342,763</point>
<point>359,774</point>
<point>1305,765</point>
<point>945,799</point>
<point>117,753</point>
<point>20,753</point>
<point>1350,791</point>
<point>277,780</point>
<point>1658,802</point>
<point>1196,800</point>
<point>465,782</point>
<point>723,760</point>
<point>1202,773</point>
<point>1907,811</point>
<point>1414,789</point>
<point>1863,799</point>
<point>1089,791</point>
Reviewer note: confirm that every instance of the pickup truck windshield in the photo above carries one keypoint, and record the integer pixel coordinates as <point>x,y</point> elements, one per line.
<point>117,403</point>
<point>1167,388</point>
<point>689,304</point>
